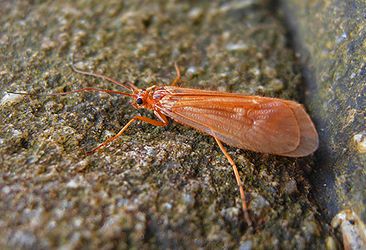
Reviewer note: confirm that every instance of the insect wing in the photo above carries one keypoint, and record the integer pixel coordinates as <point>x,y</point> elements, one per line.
<point>260,124</point>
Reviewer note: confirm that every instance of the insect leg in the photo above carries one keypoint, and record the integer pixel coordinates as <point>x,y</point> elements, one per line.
<point>177,78</point>
<point>238,181</point>
<point>141,118</point>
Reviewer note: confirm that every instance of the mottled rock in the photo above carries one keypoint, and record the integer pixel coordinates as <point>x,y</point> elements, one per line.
<point>330,39</point>
<point>167,188</point>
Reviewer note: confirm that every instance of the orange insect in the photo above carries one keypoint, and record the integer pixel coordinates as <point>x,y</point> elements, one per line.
<point>260,124</point>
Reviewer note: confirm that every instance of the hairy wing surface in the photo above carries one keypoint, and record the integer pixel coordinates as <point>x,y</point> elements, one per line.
<point>260,124</point>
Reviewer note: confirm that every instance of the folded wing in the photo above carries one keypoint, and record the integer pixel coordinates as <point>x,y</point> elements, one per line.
<point>260,124</point>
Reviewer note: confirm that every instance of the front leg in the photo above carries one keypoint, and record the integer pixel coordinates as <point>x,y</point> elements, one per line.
<point>162,123</point>
<point>178,78</point>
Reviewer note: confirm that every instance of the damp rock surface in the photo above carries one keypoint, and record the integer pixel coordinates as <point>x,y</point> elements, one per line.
<point>331,38</point>
<point>167,188</point>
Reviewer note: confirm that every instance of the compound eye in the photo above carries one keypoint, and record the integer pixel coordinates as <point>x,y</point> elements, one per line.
<point>139,101</point>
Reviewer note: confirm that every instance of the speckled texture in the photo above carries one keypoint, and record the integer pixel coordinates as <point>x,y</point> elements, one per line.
<point>155,187</point>
<point>331,37</point>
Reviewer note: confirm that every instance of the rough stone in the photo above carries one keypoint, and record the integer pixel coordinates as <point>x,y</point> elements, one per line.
<point>154,187</point>
<point>330,37</point>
